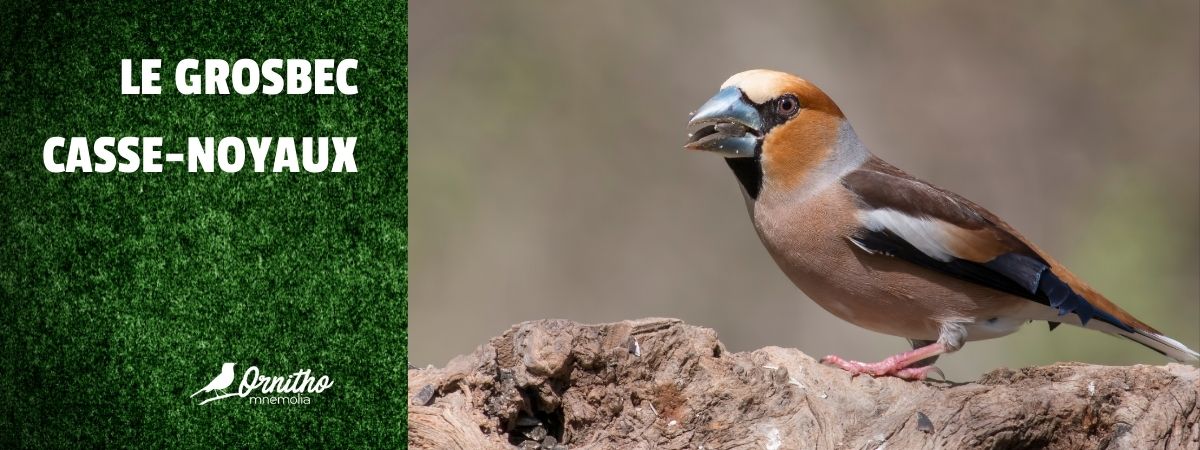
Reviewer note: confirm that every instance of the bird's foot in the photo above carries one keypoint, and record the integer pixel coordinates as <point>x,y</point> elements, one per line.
<point>919,373</point>
<point>893,367</point>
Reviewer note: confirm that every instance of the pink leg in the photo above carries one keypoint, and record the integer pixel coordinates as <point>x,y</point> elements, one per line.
<point>896,366</point>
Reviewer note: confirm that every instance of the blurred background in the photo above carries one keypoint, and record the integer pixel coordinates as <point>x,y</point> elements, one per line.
<point>548,180</point>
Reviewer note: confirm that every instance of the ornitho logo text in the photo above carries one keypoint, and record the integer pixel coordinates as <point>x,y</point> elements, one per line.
<point>293,389</point>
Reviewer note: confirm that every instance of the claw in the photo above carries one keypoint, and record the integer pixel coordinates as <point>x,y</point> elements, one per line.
<point>941,375</point>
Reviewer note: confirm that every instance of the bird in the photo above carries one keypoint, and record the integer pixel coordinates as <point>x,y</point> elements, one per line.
<point>221,382</point>
<point>880,248</point>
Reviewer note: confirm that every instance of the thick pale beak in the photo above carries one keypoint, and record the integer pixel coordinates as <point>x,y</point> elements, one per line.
<point>727,124</point>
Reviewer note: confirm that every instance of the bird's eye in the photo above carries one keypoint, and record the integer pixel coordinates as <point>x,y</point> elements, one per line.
<point>787,105</point>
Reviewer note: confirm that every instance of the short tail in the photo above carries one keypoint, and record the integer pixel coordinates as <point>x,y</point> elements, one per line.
<point>1171,348</point>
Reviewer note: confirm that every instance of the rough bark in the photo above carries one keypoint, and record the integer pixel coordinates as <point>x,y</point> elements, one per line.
<point>659,383</point>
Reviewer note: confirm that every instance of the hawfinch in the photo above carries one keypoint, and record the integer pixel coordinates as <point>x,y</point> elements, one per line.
<point>879,248</point>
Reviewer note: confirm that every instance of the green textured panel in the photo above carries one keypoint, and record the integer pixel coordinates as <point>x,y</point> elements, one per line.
<point>122,294</point>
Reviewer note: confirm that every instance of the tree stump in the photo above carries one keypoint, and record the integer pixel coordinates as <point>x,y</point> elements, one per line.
<point>662,384</point>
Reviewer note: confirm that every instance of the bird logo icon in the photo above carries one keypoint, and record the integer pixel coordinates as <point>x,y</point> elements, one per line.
<point>221,382</point>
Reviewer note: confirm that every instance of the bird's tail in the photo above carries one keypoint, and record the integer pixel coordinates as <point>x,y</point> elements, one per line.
<point>1151,339</point>
<point>1121,323</point>
<point>1171,348</point>
<point>197,393</point>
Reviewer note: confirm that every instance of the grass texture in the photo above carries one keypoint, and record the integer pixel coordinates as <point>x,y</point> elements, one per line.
<point>122,294</point>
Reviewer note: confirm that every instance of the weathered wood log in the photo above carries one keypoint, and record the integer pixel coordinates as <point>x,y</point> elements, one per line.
<point>659,383</point>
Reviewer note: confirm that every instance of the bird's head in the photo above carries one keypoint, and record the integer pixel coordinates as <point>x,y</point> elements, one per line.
<point>227,366</point>
<point>781,122</point>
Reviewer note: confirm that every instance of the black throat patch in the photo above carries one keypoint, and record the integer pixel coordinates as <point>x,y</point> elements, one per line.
<point>748,172</point>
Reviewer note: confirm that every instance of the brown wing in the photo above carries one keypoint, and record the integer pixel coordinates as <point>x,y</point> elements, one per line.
<point>910,219</point>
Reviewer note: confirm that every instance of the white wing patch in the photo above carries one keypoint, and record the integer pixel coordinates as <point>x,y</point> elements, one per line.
<point>931,236</point>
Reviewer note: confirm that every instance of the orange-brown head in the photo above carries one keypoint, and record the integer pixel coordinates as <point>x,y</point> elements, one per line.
<point>773,125</point>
